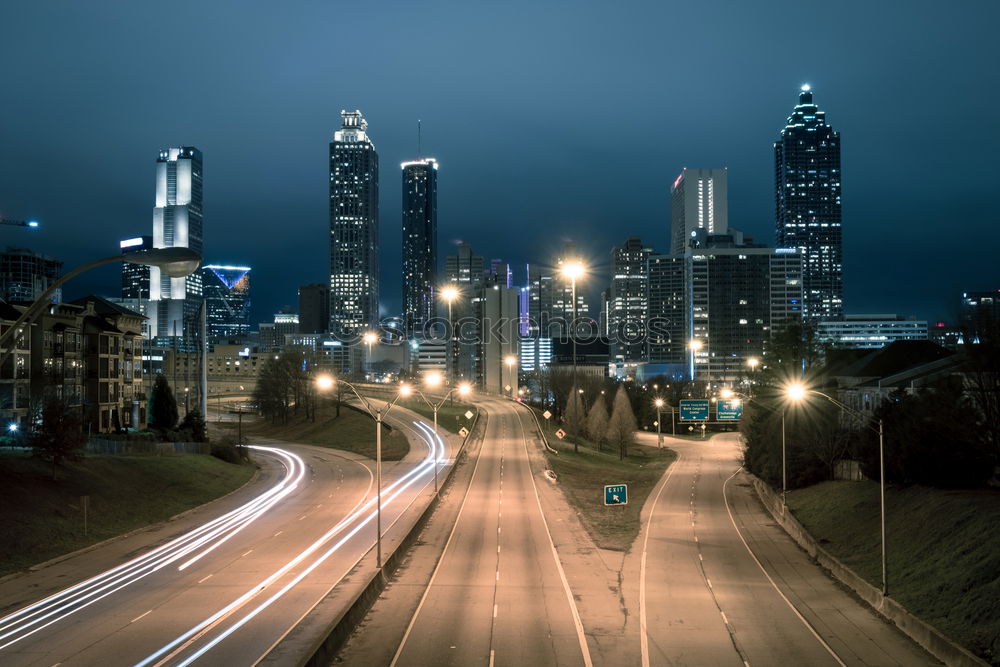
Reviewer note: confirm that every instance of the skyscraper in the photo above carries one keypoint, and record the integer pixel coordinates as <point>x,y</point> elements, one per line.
<point>807,201</point>
<point>25,275</point>
<point>353,227</point>
<point>699,199</point>
<point>419,243</point>
<point>135,277</point>
<point>314,308</point>
<point>628,304</point>
<point>227,301</point>
<point>177,222</point>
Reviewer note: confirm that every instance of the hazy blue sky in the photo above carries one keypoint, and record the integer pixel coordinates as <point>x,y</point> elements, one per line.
<point>551,121</point>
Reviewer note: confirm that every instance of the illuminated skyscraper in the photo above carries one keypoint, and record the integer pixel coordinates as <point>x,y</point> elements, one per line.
<point>807,200</point>
<point>419,242</point>
<point>699,199</point>
<point>227,301</point>
<point>177,222</point>
<point>628,305</point>
<point>353,227</point>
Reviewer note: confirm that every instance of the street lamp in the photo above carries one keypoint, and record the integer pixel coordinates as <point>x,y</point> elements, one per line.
<point>175,262</point>
<point>797,391</point>
<point>573,270</point>
<point>433,380</point>
<point>326,382</point>
<point>694,345</point>
<point>449,294</point>
<point>659,436</point>
<point>511,362</point>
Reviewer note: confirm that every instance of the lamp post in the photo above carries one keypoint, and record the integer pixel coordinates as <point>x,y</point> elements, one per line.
<point>752,363</point>
<point>573,270</point>
<point>449,294</point>
<point>797,392</point>
<point>511,362</point>
<point>327,382</point>
<point>694,345</point>
<point>176,262</point>
<point>659,436</point>
<point>434,380</point>
<point>370,338</point>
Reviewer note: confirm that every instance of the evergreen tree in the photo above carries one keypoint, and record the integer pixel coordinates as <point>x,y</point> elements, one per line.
<point>164,407</point>
<point>597,422</point>
<point>622,425</point>
<point>194,424</point>
<point>574,417</point>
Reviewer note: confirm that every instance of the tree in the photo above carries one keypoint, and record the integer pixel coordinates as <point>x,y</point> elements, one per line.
<point>194,424</point>
<point>164,407</point>
<point>622,425</point>
<point>597,422</point>
<point>574,417</point>
<point>60,435</point>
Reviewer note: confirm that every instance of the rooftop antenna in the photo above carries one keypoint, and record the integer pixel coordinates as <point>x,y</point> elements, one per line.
<point>418,138</point>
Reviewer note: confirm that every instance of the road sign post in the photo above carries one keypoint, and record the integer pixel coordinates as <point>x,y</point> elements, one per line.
<point>729,409</point>
<point>694,410</point>
<point>616,494</point>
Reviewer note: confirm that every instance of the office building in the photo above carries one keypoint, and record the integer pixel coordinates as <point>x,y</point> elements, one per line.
<point>314,308</point>
<point>274,335</point>
<point>628,305</point>
<point>25,275</point>
<point>465,268</point>
<point>177,222</point>
<point>737,295</point>
<point>980,313</point>
<point>420,266</point>
<point>666,340</point>
<point>699,199</point>
<point>354,238</point>
<point>135,277</point>
<point>869,331</point>
<point>227,302</point>
<point>808,212</point>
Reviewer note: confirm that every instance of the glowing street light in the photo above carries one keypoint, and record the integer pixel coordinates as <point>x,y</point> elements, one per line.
<point>326,382</point>
<point>433,380</point>
<point>511,362</point>
<point>659,436</point>
<point>449,294</point>
<point>369,338</point>
<point>796,391</point>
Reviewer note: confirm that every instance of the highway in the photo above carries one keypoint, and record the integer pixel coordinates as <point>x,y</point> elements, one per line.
<point>722,584</point>
<point>230,586</point>
<point>499,595</point>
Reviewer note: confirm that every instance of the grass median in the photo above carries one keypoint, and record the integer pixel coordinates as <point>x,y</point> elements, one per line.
<point>943,551</point>
<point>583,475</point>
<point>352,431</point>
<point>44,518</point>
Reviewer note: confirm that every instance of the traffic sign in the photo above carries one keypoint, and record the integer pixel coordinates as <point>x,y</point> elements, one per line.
<point>560,434</point>
<point>506,387</point>
<point>463,431</point>
<point>469,414</point>
<point>694,410</point>
<point>547,414</point>
<point>616,494</point>
<point>730,409</point>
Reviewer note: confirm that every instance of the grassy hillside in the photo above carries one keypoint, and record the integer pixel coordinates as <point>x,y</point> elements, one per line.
<point>943,551</point>
<point>43,518</point>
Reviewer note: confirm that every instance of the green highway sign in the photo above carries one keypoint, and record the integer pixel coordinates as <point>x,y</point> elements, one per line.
<point>730,409</point>
<point>694,410</point>
<point>616,494</point>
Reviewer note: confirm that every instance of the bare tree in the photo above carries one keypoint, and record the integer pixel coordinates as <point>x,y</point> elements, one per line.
<point>622,425</point>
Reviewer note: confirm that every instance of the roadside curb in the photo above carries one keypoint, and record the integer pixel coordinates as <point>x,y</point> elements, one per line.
<point>324,650</point>
<point>931,639</point>
<point>135,531</point>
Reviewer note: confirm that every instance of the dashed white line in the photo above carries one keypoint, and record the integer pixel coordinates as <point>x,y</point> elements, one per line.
<point>138,617</point>
<point>494,611</point>
<point>278,533</point>
<point>204,579</point>
<point>247,553</point>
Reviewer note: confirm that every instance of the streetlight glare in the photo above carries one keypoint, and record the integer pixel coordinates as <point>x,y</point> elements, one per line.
<point>433,379</point>
<point>753,362</point>
<point>449,293</point>
<point>405,390</point>
<point>510,360</point>
<point>370,338</point>
<point>726,392</point>
<point>323,382</point>
<point>658,402</point>
<point>32,223</point>
<point>695,344</point>
<point>796,391</point>
<point>465,389</point>
<point>573,270</point>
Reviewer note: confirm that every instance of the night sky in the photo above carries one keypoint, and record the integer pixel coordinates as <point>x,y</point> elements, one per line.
<point>552,121</point>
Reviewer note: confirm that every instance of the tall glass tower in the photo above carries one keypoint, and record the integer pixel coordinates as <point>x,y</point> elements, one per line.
<point>177,222</point>
<point>807,200</point>
<point>419,242</point>
<point>227,301</point>
<point>353,227</point>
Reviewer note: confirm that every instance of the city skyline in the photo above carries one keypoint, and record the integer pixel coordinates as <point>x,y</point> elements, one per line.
<point>724,118</point>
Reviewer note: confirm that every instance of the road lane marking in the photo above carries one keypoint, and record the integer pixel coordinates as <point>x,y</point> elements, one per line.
<point>204,579</point>
<point>247,553</point>
<point>802,618</point>
<point>494,611</point>
<point>147,613</point>
<point>278,533</point>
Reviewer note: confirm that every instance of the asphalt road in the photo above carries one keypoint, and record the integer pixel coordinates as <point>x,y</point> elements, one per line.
<point>722,584</point>
<point>232,597</point>
<point>498,595</point>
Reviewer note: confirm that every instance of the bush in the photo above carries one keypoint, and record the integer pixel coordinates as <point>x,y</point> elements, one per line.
<point>227,449</point>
